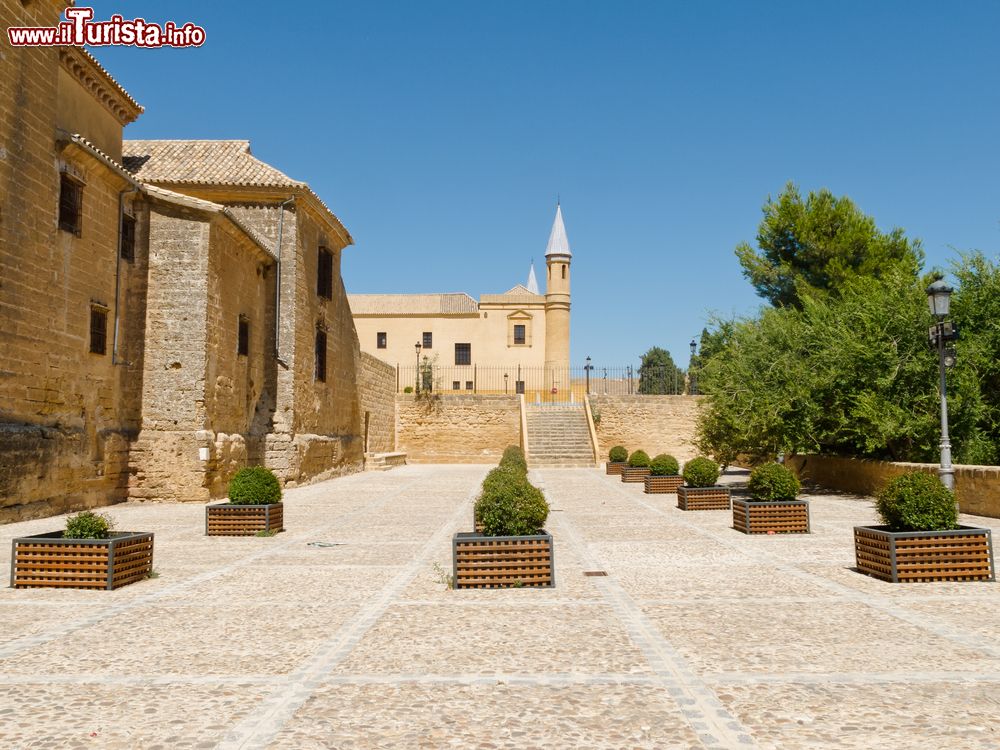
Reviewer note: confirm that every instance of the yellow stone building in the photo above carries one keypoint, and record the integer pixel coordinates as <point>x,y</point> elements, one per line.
<point>515,342</point>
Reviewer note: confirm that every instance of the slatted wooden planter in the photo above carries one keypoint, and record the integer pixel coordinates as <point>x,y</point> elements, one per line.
<point>703,498</point>
<point>615,467</point>
<point>634,473</point>
<point>493,562</point>
<point>962,554</point>
<point>779,517</point>
<point>663,484</point>
<point>53,561</point>
<point>227,519</point>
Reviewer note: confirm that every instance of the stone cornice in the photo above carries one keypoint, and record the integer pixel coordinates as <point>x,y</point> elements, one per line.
<point>95,79</point>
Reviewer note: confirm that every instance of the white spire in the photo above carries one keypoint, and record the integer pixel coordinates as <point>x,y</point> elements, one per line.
<point>558,241</point>
<point>532,281</point>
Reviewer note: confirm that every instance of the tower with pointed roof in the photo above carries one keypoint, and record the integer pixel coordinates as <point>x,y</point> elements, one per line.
<point>557,301</point>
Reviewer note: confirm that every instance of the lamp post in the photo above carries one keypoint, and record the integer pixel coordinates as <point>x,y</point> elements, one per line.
<point>587,368</point>
<point>418,347</point>
<point>939,301</point>
<point>505,384</point>
<point>691,375</point>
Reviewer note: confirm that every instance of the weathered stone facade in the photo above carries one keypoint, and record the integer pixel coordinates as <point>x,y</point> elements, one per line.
<point>378,404</point>
<point>655,424</point>
<point>456,429</point>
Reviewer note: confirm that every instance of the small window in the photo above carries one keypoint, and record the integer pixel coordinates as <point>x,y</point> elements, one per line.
<point>324,274</point>
<point>463,354</point>
<point>381,340</point>
<point>468,385</point>
<point>320,355</point>
<point>564,270</point>
<point>456,385</point>
<point>519,337</point>
<point>98,330</point>
<point>70,204</point>
<point>518,386</point>
<point>243,339</point>
<point>428,340</point>
<point>128,238</point>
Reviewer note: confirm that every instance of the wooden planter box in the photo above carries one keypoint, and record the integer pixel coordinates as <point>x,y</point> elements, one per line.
<point>634,473</point>
<point>492,562</point>
<point>962,554</point>
<point>664,484</point>
<point>779,517</point>
<point>615,467</point>
<point>226,519</point>
<point>703,498</point>
<point>53,561</point>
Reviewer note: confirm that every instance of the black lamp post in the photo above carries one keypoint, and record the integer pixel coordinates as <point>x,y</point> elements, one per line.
<point>691,374</point>
<point>942,332</point>
<point>418,347</point>
<point>505,376</point>
<point>587,368</point>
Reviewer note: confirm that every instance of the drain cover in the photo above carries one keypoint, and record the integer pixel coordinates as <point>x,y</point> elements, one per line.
<point>592,573</point>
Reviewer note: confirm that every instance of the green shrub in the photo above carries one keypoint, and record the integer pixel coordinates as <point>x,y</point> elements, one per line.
<point>618,454</point>
<point>513,457</point>
<point>254,485</point>
<point>408,389</point>
<point>88,525</point>
<point>917,502</point>
<point>638,460</point>
<point>509,505</point>
<point>664,465</point>
<point>772,482</point>
<point>701,472</point>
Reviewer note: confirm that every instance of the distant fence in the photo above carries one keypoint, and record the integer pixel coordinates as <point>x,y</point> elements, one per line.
<point>540,384</point>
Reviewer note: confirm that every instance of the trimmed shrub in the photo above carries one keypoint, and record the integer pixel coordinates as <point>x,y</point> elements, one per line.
<point>772,482</point>
<point>254,485</point>
<point>511,508</point>
<point>701,472</point>
<point>88,525</point>
<point>513,457</point>
<point>618,454</point>
<point>664,465</point>
<point>917,502</point>
<point>638,460</point>
<point>408,389</point>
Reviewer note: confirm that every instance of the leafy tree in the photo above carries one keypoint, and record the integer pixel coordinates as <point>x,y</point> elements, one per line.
<point>819,244</point>
<point>658,374</point>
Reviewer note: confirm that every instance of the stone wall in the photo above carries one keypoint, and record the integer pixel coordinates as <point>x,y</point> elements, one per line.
<point>378,402</point>
<point>656,424</point>
<point>976,487</point>
<point>456,429</point>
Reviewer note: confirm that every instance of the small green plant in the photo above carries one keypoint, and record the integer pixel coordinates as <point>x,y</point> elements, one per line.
<point>266,532</point>
<point>513,458</point>
<point>664,465</point>
<point>772,483</point>
<point>638,460</point>
<point>917,502</point>
<point>443,576</point>
<point>701,472</point>
<point>509,505</point>
<point>153,573</point>
<point>408,389</point>
<point>254,485</point>
<point>596,417</point>
<point>618,454</point>
<point>88,525</point>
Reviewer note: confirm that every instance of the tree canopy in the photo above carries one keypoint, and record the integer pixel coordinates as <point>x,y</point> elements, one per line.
<point>658,374</point>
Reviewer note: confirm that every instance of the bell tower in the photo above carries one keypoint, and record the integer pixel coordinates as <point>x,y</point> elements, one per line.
<point>557,261</point>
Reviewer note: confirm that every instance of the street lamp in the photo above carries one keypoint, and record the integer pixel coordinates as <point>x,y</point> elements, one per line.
<point>505,376</point>
<point>939,301</point>
<point>587,368</point>
<point>691,375</point>
<point>418,347</point>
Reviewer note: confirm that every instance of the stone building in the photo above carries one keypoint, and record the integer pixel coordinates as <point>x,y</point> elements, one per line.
<point>469,345</point>
<point>141,289</point>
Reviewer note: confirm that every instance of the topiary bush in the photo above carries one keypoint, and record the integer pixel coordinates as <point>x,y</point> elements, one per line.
<point>618,454</point>
<point>701,472</point>
<point>88,525</point>
<point>638,460</point>
<point>254,485</point>
<point>664,465</point>
<point>511,506</point>
<point>513,457</point>
<point>772,482</point>
<point>917,502</point>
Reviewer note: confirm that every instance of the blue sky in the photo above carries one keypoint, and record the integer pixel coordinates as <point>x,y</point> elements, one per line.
<point>442,132</point>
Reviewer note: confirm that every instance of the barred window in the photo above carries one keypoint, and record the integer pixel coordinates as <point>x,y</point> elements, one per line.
<point>519,337</point>
<point>98,330</point>
<point>70,204</point>
<point>463,354</point>
<point>428,340</point>
<point>324,274</point>
<point>243,337</point>
<point>456,385</point>
<point>468,385</point>
<point>320,355</point>
<point>381,340</point>
<point>128,238</point>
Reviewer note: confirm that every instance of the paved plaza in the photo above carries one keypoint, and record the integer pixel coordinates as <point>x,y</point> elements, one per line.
<point>698,636</point>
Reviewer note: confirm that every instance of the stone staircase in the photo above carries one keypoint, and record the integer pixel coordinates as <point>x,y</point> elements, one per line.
<point>558,435</point>
<point>384,461</point>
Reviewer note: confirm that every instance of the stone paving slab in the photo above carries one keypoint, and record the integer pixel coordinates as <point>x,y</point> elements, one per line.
<point>698,637</point>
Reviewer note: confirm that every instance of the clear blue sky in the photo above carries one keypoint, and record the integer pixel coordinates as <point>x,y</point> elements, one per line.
<point>442,132</point>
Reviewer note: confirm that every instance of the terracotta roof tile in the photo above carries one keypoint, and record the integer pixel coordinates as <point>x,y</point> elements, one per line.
<point>201,163</point>
<point>412,304</point>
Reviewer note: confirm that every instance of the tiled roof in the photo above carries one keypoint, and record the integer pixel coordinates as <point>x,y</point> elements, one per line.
<point>412,304</point>
<point>93,76</point>
<point>201,163</point>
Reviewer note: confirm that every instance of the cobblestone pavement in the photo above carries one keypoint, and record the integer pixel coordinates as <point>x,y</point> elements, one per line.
<point>699,636</point>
